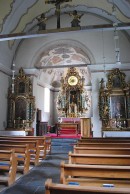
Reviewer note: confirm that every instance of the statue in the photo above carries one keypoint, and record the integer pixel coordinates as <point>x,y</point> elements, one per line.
<point>101,83</point>
<point>106,111</point>
<point>87,102</point>
<point>41,22</point>
<point>76,19</point>
<point>59,102</point>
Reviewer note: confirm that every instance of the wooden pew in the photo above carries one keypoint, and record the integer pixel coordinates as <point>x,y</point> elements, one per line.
<point>33,148</point>
<point>107,139</point>
<point>95,175</point>
<point>44,141</point>
<point>56,188</point>
<point>103,159</point>
<point>104,144</point>
<point>8,164</point>
<point>48,143</point>
<point>101,150</point>
<point>41,140</point>
<point>23,156</point>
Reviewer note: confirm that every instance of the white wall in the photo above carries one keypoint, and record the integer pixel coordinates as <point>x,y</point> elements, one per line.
<point>4,83</point>
<point>96,123</point>
<point>39,93</point>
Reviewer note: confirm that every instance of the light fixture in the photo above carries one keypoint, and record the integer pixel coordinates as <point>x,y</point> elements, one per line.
<point>116,36</point>
<point>104,61</point>
<point>13,77</point>
<point>117,48</point>
<point>114,10</point>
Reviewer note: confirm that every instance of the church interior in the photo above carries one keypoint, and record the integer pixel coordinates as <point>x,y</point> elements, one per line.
<point>65,79</point>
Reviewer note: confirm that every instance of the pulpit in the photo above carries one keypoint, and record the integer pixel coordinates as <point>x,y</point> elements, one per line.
<point>85,127</point>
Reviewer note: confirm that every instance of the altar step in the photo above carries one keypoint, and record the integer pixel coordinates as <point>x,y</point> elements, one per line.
<point>68,131</point>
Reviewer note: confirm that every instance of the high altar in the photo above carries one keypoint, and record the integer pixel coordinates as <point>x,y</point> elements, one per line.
<point>73,101</point>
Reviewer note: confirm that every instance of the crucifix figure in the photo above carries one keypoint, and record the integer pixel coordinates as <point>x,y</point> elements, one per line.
<point>57,4</point>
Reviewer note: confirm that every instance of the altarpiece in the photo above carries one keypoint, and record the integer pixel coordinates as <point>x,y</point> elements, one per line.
<point>21,103</point>
<point>73,100</point>
<point>114,102</point>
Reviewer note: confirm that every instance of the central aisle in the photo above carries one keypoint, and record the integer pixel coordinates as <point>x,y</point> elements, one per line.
<point>33,182</point>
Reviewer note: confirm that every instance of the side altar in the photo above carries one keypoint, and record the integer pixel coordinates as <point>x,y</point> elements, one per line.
<point>114,104</point>
<point>21,104</point>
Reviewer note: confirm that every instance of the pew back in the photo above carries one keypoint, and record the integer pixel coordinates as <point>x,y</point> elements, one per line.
<point>104,144</point>
<point>107,139</point>
<point>104,159</point>
<point>54,188</point>
<point>33,148</point>
<point>8,163</point>
<point>101,150</point>
<point>95,175</point>
<point>22,153</point>
<point>44,142</point>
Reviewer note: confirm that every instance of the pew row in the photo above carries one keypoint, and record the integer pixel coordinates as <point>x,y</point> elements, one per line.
<point>107,139</point>
<point>8,166</point>
<point>103,159</point>
<point>44,142</point>
<point>95,175</point>
<point>101,150</point>
<point>23,156</point>
<point>104,144</point>
<point>55,188</point>
<point>33,148</point>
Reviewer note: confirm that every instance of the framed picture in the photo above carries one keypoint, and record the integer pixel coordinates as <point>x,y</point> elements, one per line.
<point>118,106</point>
<point>20,109</point>
<point>116,81</point>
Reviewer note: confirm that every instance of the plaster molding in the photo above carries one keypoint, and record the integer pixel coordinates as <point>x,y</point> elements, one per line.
<point>33,72</point>
<point>108,67</point>
<point>5,69</point>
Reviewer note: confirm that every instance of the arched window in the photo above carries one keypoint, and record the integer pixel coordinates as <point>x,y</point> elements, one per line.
<point>47,100</point>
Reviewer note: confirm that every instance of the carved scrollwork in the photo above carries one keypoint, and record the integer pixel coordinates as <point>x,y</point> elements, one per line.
<point>116,79</point>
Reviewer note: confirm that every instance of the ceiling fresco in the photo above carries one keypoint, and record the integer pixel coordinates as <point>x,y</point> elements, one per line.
<point>63,55</point>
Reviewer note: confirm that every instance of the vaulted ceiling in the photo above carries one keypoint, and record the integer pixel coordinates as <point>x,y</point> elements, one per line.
<point>20,16</point>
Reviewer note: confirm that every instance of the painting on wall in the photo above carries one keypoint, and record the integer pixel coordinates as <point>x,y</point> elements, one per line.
<point>20,109</point>
<point>118,106</point>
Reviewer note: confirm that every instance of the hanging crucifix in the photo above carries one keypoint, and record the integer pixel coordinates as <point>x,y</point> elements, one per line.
<point>57,4</point>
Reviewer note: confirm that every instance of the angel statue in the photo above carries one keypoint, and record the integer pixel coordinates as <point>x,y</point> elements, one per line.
<point>41,22</point>
<point>76,19</point>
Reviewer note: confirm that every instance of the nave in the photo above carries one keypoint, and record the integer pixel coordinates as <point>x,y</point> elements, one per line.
<point>33,182</point>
